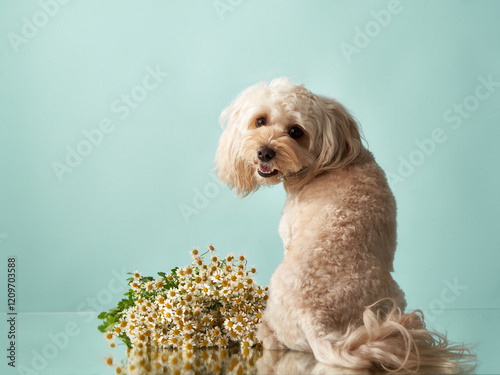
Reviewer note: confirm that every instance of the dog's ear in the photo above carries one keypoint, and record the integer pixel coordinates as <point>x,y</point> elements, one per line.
<point>338,136</point>
<point>230,166</point>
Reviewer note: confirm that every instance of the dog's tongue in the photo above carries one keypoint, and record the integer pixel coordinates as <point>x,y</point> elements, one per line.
<point>265,168</point>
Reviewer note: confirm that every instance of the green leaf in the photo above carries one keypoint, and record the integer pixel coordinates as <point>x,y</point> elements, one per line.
<point>125,339</point>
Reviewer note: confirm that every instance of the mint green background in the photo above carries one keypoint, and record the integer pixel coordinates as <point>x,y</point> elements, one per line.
<point>120,208</point>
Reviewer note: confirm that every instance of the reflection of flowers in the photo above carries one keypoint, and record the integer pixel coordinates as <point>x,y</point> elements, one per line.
<point>200,305</point>
<point>157,360</point>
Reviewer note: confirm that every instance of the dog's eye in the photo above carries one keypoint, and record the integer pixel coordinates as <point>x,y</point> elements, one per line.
<point>296,132</point>
<point>261,121</point>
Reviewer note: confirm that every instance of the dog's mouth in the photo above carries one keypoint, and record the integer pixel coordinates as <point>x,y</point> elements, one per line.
<point>266,171</point>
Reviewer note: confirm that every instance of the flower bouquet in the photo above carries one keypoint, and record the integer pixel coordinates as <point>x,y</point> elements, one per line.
<point>205,304</point>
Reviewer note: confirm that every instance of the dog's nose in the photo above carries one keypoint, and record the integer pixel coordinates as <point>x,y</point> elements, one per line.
<point>265,153</point>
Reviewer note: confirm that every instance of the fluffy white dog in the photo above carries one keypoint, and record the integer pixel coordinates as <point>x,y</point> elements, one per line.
<point>333,294</point>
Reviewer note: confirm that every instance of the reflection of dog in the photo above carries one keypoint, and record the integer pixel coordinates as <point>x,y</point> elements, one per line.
<point>333,294</point>
<point>290,362</point>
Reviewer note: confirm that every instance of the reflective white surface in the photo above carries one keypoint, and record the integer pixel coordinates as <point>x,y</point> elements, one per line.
<point>69,343</point>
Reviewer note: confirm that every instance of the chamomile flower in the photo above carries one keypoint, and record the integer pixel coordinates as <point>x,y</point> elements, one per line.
<point>198,261</point>
<point>195,253</point>
<point>206,289</point>
<point>214,258</point>
<point>149,286</point>
<point>135,285</point>
<point>109,359</point>
<point>217,277</point>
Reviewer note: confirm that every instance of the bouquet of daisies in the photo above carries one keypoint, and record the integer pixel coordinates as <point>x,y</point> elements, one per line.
<point>217,303</point>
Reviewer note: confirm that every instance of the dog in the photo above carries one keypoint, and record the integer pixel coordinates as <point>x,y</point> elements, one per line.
<point>333,294</point>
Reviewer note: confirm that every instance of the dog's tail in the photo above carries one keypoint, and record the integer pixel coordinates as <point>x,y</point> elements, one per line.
<point>395,342</point>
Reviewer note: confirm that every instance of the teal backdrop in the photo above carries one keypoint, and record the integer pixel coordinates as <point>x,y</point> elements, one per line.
<point>109,126</point>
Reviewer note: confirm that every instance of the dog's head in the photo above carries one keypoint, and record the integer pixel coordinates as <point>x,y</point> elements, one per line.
<point>283,132</point>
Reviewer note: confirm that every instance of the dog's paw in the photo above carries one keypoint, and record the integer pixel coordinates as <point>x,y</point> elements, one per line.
<point>268,338</point>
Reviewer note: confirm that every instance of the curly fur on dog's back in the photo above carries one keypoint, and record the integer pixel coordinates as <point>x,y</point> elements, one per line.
<point>340,249</point>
